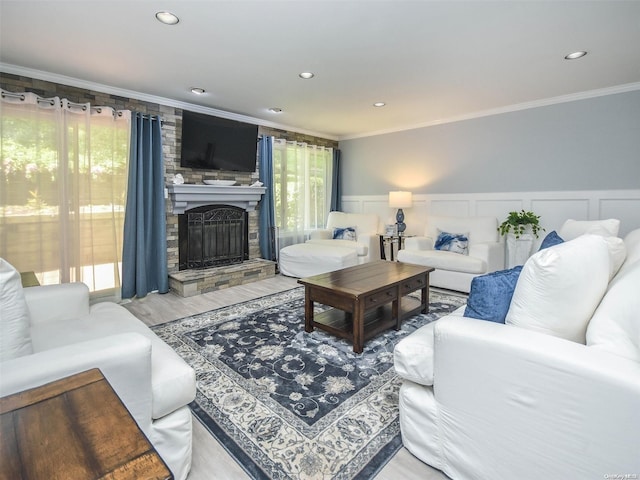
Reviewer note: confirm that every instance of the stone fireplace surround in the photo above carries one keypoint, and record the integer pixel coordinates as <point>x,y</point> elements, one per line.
<point>191,282</point>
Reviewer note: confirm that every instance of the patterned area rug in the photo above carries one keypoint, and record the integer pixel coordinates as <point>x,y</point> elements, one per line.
<point>293,405</point>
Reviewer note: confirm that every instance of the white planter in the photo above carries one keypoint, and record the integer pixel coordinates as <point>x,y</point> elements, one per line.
<point>519,249</point>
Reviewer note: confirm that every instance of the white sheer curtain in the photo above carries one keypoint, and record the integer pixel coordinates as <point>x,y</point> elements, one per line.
<point>63,187</point>
<point>302,189</point>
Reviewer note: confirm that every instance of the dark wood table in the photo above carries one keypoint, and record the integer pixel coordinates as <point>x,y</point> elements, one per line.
<point>76,427</point>
<point>367,299</point>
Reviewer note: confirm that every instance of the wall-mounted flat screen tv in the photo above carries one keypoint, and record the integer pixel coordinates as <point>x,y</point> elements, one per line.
<point>213,143</point>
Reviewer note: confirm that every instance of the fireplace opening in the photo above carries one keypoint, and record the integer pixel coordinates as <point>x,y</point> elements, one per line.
<point>213,235</point>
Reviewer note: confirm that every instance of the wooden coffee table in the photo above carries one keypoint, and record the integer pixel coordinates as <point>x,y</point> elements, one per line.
<point>76,427</point>
<point>367,299</point>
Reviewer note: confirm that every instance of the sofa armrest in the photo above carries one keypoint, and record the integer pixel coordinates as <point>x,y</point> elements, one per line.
<point>321,234</point>
<point>418,243</point>
<point>124,359</point>
<point>413,355</point>
<point>518,387</point>
<point>57,302</point>
<point>491,252</point>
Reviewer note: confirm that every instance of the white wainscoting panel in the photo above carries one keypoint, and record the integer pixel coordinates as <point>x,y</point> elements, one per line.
<point>553,207</point>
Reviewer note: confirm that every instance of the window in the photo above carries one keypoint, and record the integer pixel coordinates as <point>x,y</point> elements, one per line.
<point>63,185</point>
<point>302,189</point>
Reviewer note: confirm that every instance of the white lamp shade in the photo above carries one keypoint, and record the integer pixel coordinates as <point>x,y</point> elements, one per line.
<point>400,199</point>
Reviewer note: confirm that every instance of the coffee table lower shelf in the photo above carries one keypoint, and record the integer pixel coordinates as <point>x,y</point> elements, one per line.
<point>376,320</point>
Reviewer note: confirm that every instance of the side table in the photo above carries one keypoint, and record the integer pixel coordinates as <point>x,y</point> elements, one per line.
<point>76,427</point>
<point>391,240</point>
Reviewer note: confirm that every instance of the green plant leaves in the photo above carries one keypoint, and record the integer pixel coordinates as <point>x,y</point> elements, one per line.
<point>520,223</point>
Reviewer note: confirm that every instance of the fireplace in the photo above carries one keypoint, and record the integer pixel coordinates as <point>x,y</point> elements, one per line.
<point>198,199</point>
<point>213,235</point>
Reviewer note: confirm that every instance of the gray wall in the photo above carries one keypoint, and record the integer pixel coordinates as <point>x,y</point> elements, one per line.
<point>591,144</point>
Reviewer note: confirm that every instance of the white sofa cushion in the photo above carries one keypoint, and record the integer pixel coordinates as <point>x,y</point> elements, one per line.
<point>614,326</point>
<point>365,224</point>
<point>477,229</point>
<point>15,340</point>
<point>617,254</point>
<point>442,260</point>
<point>574,228</point>
<point>559,288</point>
<point>172,380</point>
<point>632,242</point>
<point>361,249</point>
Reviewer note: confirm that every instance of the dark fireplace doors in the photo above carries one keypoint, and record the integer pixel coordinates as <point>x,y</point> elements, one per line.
<point>213,235</point>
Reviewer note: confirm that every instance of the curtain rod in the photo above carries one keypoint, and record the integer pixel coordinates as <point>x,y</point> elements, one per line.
<point>22,97</point>
<point>50,101</point>
<point>151,117</point>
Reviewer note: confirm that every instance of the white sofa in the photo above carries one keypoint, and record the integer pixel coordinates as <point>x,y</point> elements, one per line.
<point>50,332</point>
<point>322,253</point>
<point>455,271</point>
<point>484,400</point>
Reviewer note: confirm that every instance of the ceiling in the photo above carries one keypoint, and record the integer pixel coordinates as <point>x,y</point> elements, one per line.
<point>429,61</point>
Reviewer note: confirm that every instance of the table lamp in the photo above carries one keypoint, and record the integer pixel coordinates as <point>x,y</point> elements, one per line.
<point>400,200</point>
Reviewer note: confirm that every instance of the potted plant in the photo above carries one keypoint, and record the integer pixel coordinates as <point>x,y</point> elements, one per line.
<point>520,229</point>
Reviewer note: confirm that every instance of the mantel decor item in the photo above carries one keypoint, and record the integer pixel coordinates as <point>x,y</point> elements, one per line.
<point>400,200</point>
<point>520,228</point>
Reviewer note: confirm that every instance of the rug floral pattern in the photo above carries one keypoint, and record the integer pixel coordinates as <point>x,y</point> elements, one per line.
<point>300,405</point>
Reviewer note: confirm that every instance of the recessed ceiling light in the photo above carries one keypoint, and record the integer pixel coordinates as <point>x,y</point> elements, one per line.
<point>275,110</point>
<point>306,75</point>
<point>197,90</point>
<point>574,55</point>
<point>379,104</point>
<point>167,18</point>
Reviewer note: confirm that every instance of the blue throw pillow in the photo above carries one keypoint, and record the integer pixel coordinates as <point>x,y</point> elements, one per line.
<point>490,295</point>
<point>452,242</point>
<point>550,240</point>
<point>347,233</point>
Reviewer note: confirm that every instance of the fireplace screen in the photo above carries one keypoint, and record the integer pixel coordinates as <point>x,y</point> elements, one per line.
<point>212,235</point>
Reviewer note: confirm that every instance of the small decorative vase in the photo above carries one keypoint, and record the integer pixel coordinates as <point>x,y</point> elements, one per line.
<point>518,249</point>
<point>400,221</point>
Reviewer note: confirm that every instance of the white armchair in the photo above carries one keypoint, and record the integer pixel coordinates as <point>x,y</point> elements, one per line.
<point>322,253</point>
<point>366,225</point>
<point>455,271</point>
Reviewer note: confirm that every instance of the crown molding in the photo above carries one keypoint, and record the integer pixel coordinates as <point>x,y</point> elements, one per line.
<point>79,83</point>
<point>629,87</point>
<point>76,82</point>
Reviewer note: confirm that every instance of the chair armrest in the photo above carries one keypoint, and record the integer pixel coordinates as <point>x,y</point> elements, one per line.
<point>372,242</point>
<point>322,234</point>
<point>57,302</point>
<point>491,252</point>
<point>124,359</point>
<point>519,387</point>
<point>418,243</point>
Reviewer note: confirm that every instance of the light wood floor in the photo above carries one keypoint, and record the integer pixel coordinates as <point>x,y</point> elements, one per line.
<point>210,459</point>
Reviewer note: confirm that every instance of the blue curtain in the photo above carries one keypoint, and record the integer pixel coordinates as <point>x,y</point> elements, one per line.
<point>336,184</point>
<point>267,219</point>
<point>144,254</point>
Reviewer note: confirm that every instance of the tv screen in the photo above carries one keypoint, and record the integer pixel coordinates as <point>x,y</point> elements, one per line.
<point>212,143</point>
